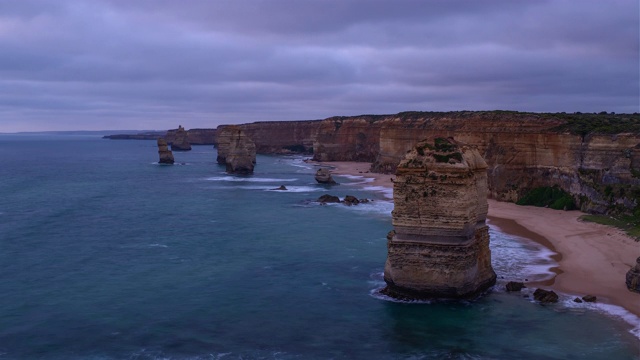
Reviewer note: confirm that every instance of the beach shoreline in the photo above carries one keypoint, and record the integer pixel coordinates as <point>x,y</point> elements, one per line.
<point>592,259</point>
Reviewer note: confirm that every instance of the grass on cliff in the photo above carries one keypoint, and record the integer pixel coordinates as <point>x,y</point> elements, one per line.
<point>552,197</point>
<point>630,224</point>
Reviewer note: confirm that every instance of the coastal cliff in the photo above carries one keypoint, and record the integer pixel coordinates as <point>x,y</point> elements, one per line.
<point>523,150</point>
<point>280,137</point>
<point>440,244</point>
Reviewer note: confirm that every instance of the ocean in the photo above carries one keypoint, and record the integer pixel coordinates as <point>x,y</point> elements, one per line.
<point>104,254</point>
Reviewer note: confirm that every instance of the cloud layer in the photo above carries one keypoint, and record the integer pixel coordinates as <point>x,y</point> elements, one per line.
<point>154,64</point>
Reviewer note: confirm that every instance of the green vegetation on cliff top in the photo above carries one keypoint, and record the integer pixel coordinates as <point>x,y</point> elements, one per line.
<point>575,123</point>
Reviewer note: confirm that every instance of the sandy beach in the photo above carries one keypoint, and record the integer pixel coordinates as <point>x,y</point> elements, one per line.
<point>593,259</point>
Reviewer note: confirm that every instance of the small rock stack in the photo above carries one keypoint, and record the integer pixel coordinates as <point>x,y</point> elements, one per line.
<point>323,176</point>
<point>166,156</point>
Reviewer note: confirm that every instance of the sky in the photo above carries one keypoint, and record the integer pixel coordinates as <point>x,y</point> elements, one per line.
<point>155,64</point>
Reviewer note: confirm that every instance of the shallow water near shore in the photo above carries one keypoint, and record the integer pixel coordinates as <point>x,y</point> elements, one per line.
<point>105,254</point>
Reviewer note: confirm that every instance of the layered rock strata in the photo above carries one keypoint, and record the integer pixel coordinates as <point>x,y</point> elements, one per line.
<point>166,156</point>
<point>180,140</point>
<point>440,244</point>
<point>633,277</point>
<point>236,150</point>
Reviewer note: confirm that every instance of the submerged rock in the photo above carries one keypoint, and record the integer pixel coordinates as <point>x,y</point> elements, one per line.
<point>166,156</point>
<point>181,140</point>
<point>515,286</point>
<point>633,277</point>
<point>323,176</point>
<point>545,296</point>
<point>440,248</point>
<point>326,198</point>
<point>282,187</point>
<point>351,200</point>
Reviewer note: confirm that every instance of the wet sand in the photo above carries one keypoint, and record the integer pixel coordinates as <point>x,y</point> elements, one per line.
<point>593,259</point>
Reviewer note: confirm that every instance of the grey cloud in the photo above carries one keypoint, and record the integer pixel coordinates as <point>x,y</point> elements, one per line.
<point>153,62</point>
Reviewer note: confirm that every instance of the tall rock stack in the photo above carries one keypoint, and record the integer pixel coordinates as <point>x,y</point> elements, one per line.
<point>166,156</point>
<point>236,150</point>
<point>440,246</point>
<point>181,140</point>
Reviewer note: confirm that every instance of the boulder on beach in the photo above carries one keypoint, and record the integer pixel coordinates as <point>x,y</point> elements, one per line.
<point>589,298</point>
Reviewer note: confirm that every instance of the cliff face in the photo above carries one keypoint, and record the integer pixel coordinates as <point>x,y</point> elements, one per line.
<point>279,137</point>
<point>523,151</point>
<point>441,243</point>
<point>195,136</point>
<point>348,139</point>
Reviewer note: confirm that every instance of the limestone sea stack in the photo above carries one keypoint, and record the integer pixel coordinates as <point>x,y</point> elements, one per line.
<point>633,277</point>
<point>181,140</point>
<point>166,156</point>
<point>236,150</point>
<point>440,244</point>
<point>323,176</point>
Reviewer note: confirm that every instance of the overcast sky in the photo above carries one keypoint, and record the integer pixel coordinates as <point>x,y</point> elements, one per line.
<point>154,64</point>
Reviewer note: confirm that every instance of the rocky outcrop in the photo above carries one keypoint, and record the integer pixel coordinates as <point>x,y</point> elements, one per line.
<point>326,198</point>
<point>633,277</point>
<point>236,150</point>
<point>166,156</point>
<point>180,140</point>
<point>440,247</point>
<point>323,176</point>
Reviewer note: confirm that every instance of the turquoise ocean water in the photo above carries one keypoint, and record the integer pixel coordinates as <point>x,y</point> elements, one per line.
<point>106,255</point>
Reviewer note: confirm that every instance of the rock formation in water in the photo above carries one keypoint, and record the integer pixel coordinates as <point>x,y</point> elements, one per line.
<point>323,176</point>
<point>545,296</point>
<point>440,244</point>
<point>180,140</point>
<point>166,156</point>
<point>236,150</point>
<point>633,277</point>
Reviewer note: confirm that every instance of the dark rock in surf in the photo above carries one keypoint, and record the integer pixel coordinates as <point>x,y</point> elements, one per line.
<point>545,296</point>
<point>326,198</point>
<point>515,286</point>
